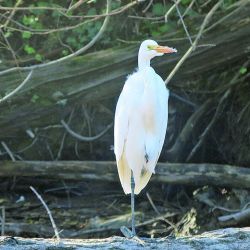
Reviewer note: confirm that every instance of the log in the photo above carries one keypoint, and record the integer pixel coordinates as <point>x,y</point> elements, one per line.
<point>171,173</point>
<point>229,238</point>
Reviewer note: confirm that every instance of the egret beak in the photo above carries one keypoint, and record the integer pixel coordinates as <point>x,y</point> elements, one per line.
<point>165,49</point>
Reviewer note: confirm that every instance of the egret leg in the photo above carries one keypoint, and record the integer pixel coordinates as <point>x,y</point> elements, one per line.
<point>126,232</point>
<point>133,205</point>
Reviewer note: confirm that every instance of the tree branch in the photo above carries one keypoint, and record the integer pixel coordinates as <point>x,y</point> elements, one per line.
<point>85,138</point>
<point>78,52</point>
<point>194,45</point>
<point>18,88</point>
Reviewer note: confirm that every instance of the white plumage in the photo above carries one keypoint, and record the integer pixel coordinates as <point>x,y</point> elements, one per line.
<point>141,118</point>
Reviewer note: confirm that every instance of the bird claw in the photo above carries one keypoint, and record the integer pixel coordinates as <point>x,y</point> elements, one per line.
<point>130,235</point>
<point>127,232</point>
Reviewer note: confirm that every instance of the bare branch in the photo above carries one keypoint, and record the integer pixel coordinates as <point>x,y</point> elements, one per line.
<point>78,52</point>
<point>182,21</point>
<point>148,6</point>
<point>170,10</point>
<point>33,8</point>
<point>18,88</point>
<point>12,13</point>
<point>188,8</point>
<point>85,138</point>
<point>48,212</point>
<point>8,151</point>
<point>76,5</point>
<point>194,45</point>
<point>158,213</point>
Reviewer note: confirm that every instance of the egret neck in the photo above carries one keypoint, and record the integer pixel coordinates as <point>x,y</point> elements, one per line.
<point>143,60</point>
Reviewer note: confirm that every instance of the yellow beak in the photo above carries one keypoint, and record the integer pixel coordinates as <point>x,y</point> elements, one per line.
<point>164,49</point>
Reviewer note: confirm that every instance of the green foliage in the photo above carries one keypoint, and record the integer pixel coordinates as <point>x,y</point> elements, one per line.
<point>46,34</point>
<point>29,49</point>
<point>26,34</point>
<point>34,98</point>
<point>243,70</point>
<point>186,2</point>
<point>158,9</point>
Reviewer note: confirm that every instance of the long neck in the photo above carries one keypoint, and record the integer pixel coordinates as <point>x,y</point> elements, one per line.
<point>143,61</point>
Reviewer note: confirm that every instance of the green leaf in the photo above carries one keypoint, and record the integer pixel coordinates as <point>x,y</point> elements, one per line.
<point>91,11</point>
<point>185,2</point>
<point>155,33</point>
<point>164,28</point>
<point>243,70</point>
<point>29,50</point>
<point>34,98</point>
<point>26,34</point>
<point>65,52</point>
<point>158,9</point>
<point>7,34</point>
<point>38,57</point>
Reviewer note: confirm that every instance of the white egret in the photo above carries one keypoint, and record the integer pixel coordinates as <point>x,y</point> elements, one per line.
<point>141,118</point>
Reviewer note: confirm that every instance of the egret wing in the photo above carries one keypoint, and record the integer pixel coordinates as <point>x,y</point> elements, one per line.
<point>125,108</point>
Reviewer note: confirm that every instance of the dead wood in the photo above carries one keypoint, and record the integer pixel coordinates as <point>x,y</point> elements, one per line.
<point>230,238</point>
<point>174,173</point>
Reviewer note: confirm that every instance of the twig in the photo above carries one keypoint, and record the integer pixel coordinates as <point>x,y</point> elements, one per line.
<point>12,13</point>
<point>148,6</point>
<point>64,136</point>
<point>202,137</point>
<point>188,8</point>
<point>8,46</point>
<point>85,138</point>
<point>170,10</point>
<point>32,8</point>
<point>206,3</point>
<point>18,88</point>
<point>183,23</point>
<point>194,45</point>
<point>78,52</point>
<point>8,151</point>
<point>157,211</point>
<point>76,5</point>
<point>48,212</point>
<point>146,18</point>
<point>2,218</point>
<point>89,127</point>
<point>66,28</point>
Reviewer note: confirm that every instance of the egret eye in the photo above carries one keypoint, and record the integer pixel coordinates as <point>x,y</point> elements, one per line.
<point>151,47</point>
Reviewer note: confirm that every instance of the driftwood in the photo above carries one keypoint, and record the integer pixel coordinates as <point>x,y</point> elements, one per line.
<point>174,173</point>
<point>230,238</point>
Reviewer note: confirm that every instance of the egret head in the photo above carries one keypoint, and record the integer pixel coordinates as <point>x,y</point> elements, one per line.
<point>149,49</point>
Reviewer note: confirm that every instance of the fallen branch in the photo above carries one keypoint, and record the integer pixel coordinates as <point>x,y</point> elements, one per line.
<point>174,173</point>
<point>235,218</point>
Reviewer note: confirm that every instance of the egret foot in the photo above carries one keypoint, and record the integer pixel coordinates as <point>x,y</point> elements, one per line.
<point>130,235</point>
<point>127,232</point>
